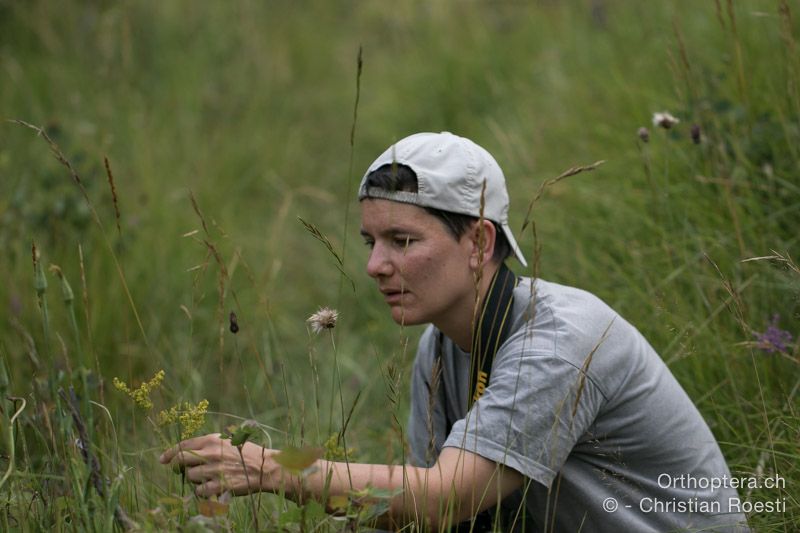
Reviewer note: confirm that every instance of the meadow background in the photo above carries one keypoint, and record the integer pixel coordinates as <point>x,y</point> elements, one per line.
<point>224,122</point>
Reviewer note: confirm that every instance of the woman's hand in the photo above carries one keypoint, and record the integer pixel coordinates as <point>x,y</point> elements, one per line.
<point>215,466</point>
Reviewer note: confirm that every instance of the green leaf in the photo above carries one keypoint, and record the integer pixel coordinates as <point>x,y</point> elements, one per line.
<point>243,434</point>
<point>298,459</point>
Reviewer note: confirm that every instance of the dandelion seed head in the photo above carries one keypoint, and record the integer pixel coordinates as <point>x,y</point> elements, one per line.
<point>664,120</point>
<point>324,318</point>
<point>644,134</point>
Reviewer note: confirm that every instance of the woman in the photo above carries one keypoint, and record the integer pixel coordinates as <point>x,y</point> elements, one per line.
<point>533,401</point>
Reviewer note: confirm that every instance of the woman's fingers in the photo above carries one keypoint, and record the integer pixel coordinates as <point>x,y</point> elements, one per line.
<point>214,465</point>
<point>209,488</point>
<point>190,451</point>
<point>203,473</point>
<point>190,458</point>
<point>213,479</point>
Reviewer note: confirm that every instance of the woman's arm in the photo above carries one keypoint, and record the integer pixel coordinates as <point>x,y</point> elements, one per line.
<point>457,487</point>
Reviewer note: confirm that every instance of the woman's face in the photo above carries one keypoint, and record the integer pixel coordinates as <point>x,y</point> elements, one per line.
<point>422,271</point>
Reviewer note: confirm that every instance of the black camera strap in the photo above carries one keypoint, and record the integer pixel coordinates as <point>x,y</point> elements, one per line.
<point>491,330</point>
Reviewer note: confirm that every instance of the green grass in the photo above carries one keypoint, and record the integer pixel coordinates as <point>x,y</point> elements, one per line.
<point>248,107</point>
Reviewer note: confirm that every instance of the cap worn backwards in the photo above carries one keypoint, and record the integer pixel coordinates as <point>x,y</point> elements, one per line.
<point>451,172</point>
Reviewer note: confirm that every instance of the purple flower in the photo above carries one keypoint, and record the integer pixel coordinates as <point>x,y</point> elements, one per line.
<point>695,131</point>
<point>774,339</point>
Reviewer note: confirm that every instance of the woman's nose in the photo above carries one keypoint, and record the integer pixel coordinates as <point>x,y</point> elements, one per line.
<point>379,263</point>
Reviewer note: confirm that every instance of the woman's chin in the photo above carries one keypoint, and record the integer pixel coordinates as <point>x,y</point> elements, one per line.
<point>404,317</point>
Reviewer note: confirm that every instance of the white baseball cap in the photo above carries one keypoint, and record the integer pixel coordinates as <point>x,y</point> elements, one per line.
<point>451,171</point>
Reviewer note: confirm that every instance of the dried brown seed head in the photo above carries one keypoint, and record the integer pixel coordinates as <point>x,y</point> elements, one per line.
<point>324,318</point>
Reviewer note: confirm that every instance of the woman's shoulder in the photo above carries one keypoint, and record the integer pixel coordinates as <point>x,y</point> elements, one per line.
<point>567,320</point>
<point>552,294</point>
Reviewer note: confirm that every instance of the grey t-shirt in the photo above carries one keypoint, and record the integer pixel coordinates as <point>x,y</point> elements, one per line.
<point>580,404</point>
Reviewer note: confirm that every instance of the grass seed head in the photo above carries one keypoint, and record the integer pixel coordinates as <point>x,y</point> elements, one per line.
<point>39,279</point>
<point>66,289</point>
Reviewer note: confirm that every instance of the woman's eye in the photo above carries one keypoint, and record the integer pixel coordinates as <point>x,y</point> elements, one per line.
<point>369,244</point>
<point>403,242</point>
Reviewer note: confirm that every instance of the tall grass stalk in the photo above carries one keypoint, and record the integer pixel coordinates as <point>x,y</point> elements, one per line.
<point>76,178</point>
<point>350,166</point>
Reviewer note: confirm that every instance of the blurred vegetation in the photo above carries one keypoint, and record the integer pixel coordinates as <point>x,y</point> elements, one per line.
<point>225,122</point>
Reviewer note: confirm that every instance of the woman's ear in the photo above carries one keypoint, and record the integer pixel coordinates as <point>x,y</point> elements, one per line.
<point>483,236</point>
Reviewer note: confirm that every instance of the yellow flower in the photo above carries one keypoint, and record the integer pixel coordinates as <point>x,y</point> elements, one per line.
<point>167,416</point>
<point>141,396</point>
<point>191,417</point>
<point>334,451</point>
<point>121,386</point>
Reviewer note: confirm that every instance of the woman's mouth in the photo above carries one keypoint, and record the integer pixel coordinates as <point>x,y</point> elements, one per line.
<point>392,297</point>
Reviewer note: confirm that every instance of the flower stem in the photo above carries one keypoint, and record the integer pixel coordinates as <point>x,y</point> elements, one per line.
<point>249,488</point>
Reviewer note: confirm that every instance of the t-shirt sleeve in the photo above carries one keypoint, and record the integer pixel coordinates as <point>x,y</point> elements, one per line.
<point>535,409</point>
